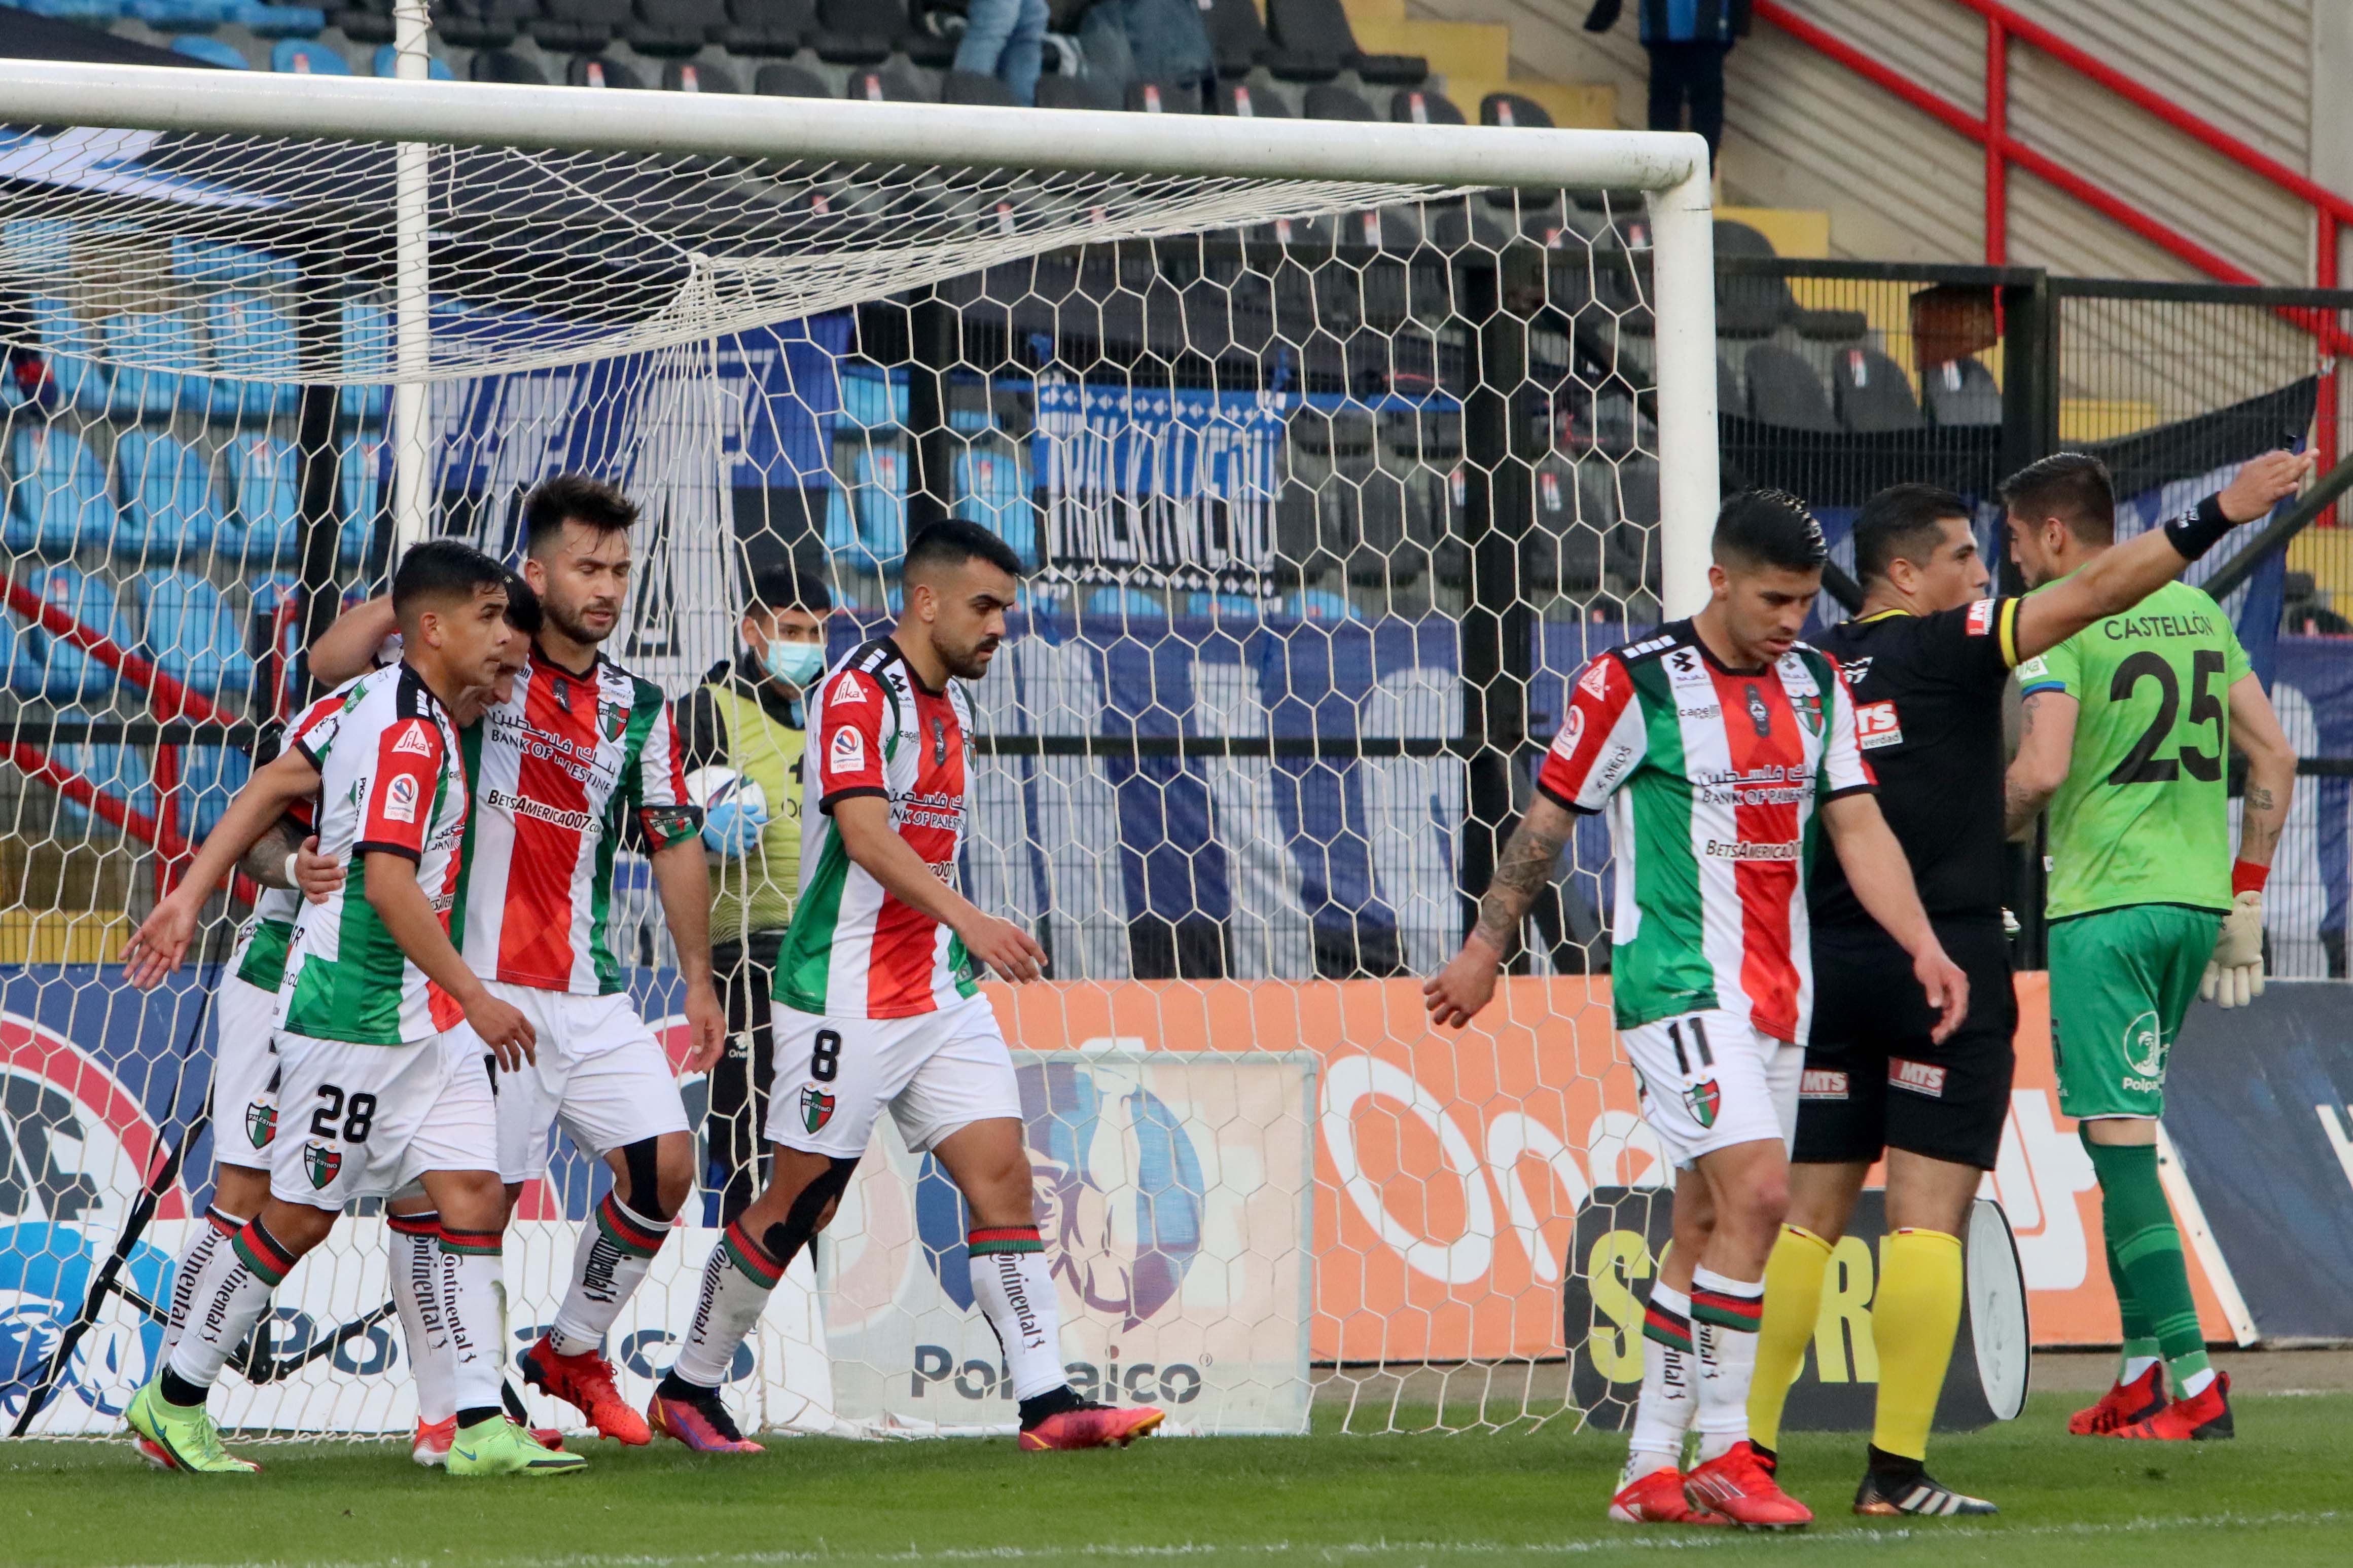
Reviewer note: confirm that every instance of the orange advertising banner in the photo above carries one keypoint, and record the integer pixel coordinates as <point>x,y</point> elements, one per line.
<point>1450,1167</point>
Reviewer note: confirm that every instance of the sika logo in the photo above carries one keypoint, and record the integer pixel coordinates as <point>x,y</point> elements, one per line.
<point>1920,1077</point>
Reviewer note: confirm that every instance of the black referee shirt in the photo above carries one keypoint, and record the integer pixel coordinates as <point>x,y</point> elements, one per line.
<point>1928,694</point>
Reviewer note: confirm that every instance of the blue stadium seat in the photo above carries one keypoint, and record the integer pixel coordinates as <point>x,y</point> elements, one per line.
<point>272,591</point>
<point>119,770</point>
<point>307,56</point>
<point>190,634</point>
<point>209,775</point>
<point>73,10</point>
<point>361,475</point>
<point>253,343</point>
<point>265,501</point>
<point>841,532</point>
<point>76,375</point>
<point>211,263</point>
<point>1320,605</point>
<point>165,340</point>
<point>877,477</point>
<point>1222,606</point>
<point>874,402</point>
<point>387,63</point>
<point>167,499</point>
<point>990,482</point>
<point>68,674</point>
<point>1123,604</point>
<point>20,669</point>
<point>164,14</point>
<point>57,501</point>
<point>367,350</point>
<point>288,22</point>
<point>212,52</point>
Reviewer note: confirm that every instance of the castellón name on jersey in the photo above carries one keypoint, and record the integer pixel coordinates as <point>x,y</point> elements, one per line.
<point>1711,777</point>
<point>853,949</point>
<point>391,779</point>
<point>556,769</point>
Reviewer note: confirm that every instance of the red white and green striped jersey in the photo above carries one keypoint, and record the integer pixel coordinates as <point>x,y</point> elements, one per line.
<point>1712,778</point>
<point>854,951</point>
<point>391,780</point>
<point>557,769</point>
<point>261,957</point>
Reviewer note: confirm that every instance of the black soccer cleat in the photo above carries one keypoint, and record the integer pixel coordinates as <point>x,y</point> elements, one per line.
<point>1919,1494</point>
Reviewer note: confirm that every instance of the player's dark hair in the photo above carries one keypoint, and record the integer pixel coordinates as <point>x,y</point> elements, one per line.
<point>573,498</point>
<point>440,571</point>
<point>2072,487</point>
<point>522,604</point>
<point>1903,522</point>
<point>777,588</point>
<point>1768,527</point>
<point>955,542</point>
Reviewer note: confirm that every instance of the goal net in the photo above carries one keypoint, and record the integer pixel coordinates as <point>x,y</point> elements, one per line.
<point>1333,452</point>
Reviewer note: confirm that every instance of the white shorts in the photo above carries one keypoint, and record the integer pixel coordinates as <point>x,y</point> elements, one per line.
<point>1710,1080</point>
<point>363,1121</point>
<point>937,1071</point>
<point>599,1070</point>
<point>244,1075</point>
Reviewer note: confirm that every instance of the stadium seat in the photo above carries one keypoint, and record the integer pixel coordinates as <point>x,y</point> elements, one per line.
<point>1961,392</point>
<point>769,28</point>
<point>781,80</point>
<point>283,22</point>
<point>877,477</point>
<point>972,88</point>
<point>1320,605</point>
<point>1870,392</point>
<point>1510,109</point>
<point>76,375</point>
<point>1421,106</point>
<point>20,669</point>
<point>602,71</point>
<point>991,486</point>
<point>150,349</point>
<point>211,52</point>
<point>579,26</point>
<point>1783,390</point>
<point>1330,100</point>
<point>253,345</point>
<point>57,495</point>
<point>1077,93</point>
<point>209,777</point>
<point>1244,101</point>
<point>191,633</point>
<point>367,351</point>
<point>69,674</point>
<point>1121,606</point>
<point>1562,554</point>
<point>853,33</point>
<point>168,513</point>
<point>504,66</point>
<point>367,22</point>
<point>265,501</point>
<point>195,16</point>
<point>484,25</point>
<point>1163,97</point>
<point>120,771</point>
<point>1749,306</point>
<point>873,401</point>
<point>675,29</point>
<point>1319,30</point>
<point>361,471</point>
<point>307,56</point>
<point>1240,44</point>
<point>95,11</point>
<point>888,86</point>
<point>1219,607</point>
<point>386,63</point>
<point>698,76</point>
<point>216,264</point>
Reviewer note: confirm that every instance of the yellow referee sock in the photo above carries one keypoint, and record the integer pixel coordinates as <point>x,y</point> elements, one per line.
<point>1793,1298</point>
<point>1913,1316</point>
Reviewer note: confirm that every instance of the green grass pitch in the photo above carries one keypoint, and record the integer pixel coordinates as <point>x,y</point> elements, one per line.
<point>2278,1495</point>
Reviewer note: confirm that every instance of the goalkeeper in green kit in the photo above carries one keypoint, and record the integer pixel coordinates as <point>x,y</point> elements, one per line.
<point>2127,734</point>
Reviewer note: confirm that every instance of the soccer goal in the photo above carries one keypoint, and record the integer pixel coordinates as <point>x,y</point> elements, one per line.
<point>1334,447</point>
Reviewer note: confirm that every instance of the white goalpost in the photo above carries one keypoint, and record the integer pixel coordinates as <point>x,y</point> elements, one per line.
<point>1335,447</point>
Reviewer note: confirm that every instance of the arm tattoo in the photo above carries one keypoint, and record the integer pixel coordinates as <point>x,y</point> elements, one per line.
<point>2020,807</point>
<point>2260,799</point>
<point>1524,872</point>
<point>265,861</point>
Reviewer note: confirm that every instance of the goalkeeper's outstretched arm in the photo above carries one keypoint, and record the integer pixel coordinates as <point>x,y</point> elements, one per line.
<point>1456,993</point>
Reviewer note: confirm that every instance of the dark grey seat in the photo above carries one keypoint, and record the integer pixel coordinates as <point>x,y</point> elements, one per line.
<point>1239,43</point>
<point>602,71</point>
<point>1511,109</point>
<point>1749,306</point>
<point>1319,30</point>
<point>1245,101</point>
<point>1870,392</point>
<point>1783,390</point>
<point>676,29</point>
<point>767,29</point>
<point>1076,92</point>
<point>1422,105</point>
<point>1961,392</point>
<point>784,79</point>
<point>1329,101</point>
<point>580,26</point>
<point>1164,97</point>
<point>972,88</point>
<point>505,66</point>
<point>698,76</point>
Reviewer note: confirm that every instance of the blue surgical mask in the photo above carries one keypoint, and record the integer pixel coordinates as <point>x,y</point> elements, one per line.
<point>795,663</point>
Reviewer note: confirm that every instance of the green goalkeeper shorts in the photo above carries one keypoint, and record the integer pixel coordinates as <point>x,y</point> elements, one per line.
<point>2121,982</point>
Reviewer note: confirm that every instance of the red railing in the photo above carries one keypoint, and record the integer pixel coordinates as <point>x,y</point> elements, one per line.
<point>2002,152</point>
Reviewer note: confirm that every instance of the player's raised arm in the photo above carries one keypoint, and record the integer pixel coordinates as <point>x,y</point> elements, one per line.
<point>156,948</point>
<point>2119,578</point>
<point>2234,975</point>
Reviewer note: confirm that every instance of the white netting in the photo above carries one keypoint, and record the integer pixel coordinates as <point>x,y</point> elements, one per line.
<point>1311,477</point>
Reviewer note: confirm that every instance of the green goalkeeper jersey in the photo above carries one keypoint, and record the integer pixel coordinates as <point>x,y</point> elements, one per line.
<point>2143,816</point>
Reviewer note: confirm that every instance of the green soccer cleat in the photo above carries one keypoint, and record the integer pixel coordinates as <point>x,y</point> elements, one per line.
<point>500,1448</point>
<point>184,1436</point>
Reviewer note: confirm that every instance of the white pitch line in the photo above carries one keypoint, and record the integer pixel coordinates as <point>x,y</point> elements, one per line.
<point>1709,1542</point>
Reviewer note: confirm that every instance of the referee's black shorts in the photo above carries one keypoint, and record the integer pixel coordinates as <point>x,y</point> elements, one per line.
<point>1873,1080</point>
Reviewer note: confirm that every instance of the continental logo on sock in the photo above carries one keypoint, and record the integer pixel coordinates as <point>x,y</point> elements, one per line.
<point>1008,1238</point>
<point>1920,1077</point>
<point>626,1230</point>
<point>1741,1312</point>
<point>747,1256</point>
<point>1823,1083</point>
<point>1667,1326</point>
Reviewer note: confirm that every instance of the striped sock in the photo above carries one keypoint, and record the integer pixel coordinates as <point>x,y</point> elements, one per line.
<point>1015,1286</point>
<point>210,1237</point>
<point>737,1278</point>
<point>1726,1313</point>
<point>617,1249</point>
<point>1663,1413</point>
<point>473,1277</point>
<point>413,1249</point>
<point>228,1300</point>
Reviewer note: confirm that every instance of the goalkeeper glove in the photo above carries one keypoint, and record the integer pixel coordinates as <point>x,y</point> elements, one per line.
<point>729,830</point>
<point>2234,975</point>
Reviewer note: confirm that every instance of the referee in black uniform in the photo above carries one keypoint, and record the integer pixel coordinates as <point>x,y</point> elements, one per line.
<point>1927,661</point>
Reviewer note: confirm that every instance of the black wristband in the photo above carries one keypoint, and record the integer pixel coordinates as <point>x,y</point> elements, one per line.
<point>2197,531</point>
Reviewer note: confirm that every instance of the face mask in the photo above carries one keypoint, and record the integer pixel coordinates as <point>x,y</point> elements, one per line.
<point>795,663</point>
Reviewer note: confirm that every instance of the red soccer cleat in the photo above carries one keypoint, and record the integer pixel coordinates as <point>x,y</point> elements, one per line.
<point>151,1451</point>
<point>701,1423</point>
<point>586,1382</point>
<point>1736,1484</point>
<point>431,1447</point>
<point>2202,1417</point>
<point>1090,1426</point>
<point>1658,1499</point>
<point>2122,1405</point>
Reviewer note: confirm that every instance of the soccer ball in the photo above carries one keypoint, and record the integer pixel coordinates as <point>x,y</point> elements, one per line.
<point>734,808</point>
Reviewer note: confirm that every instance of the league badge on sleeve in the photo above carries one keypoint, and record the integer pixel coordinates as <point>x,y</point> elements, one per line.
<point>846,753</point>
<point>400,799</point>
